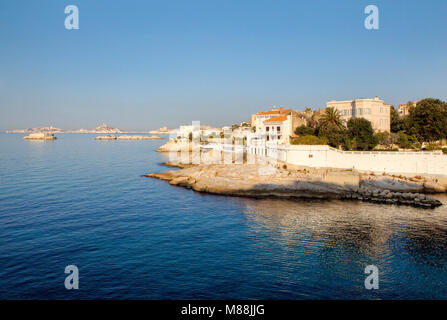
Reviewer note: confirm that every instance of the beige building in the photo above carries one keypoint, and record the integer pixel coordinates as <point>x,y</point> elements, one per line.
<point>404,109</point>
<point>374,110</point>
<point>277,125</point>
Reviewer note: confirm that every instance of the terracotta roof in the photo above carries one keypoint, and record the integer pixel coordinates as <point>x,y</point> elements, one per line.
<point>276,119</point>
<point>276,111</point>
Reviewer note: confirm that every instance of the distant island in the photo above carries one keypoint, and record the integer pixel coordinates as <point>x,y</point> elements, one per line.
<point>126,137</point>
<point>104,128</point>
<point>40,136</point>
<point>162,130</point>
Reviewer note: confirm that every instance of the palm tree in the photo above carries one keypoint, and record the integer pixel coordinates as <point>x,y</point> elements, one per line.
<point>331,117</point>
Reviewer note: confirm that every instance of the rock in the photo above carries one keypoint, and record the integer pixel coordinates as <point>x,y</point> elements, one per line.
<point>177,146</point>
<point>434,187</point>
<point>107,137</point>
<point>256,180</point>
<point>126,137</point>
<point>40,136</point>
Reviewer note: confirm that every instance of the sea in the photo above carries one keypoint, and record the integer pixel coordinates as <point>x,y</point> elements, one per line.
<point>80,202</point>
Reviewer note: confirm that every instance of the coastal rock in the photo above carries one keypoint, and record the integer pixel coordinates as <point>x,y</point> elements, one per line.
<point>40,136</point>
<point>125,137</point>
<point>178,165</point>
<point>246,180</point>
<point>176,146</point>
<point>393,184</point>
<point>107,137</point>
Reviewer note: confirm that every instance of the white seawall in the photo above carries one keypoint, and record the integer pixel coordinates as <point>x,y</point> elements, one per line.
<point>327,157</point>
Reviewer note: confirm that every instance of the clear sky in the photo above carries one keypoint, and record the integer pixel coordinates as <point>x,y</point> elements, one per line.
<point>143,64</point>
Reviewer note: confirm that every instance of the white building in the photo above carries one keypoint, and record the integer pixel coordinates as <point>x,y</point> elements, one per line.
<point>184,132</point>
<point>277,125</point>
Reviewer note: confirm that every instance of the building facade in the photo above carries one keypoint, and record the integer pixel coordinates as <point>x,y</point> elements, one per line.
<point>404,109</point>
<point>277,125</point>
<point>374,110</point>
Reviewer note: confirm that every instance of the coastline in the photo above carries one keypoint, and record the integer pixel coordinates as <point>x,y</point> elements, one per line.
<point>264,181</point>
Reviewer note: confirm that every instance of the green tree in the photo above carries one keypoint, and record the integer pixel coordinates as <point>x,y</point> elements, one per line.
<point>304,130</point>
<point>407,142</point>
<point>331,117</point>
<point>396,121</point>
<point>382,137</point>
<point>333,134</point>
<point>427,120</point>
<point>361,134</point>
<point>386,139</point>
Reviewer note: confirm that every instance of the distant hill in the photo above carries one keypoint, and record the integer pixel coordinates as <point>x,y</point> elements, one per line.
<point>103,128</point>
<point>49,129</point>
<point>106,129</point>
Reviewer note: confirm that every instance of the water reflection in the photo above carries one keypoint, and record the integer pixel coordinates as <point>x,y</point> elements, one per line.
<point>356,227</point>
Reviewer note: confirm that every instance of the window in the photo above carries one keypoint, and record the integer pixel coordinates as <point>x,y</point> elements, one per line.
<point>278,129</point>
<point>267,129</point>
<point>279,137</point>
<point>268,138</point>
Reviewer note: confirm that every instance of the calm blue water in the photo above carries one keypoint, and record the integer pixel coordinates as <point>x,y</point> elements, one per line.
<point>85,202</point>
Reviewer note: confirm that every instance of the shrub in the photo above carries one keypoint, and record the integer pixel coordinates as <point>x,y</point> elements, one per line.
<point>385,139</point>
<point>408,142</point>
<point>382,137</point>
<point>304,130</point>
<point>394,149</point>
<point>308,140</point>
<point>433,147</point>
<point>444,150</point>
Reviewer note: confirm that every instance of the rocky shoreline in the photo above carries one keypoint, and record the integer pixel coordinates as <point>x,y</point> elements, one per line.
<point>260,181</point>
<point>177,146</point>
<point>126,137</point>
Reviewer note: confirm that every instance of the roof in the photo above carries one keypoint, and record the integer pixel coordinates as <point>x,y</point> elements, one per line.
<point>276,119</point>
<point>274,111</point>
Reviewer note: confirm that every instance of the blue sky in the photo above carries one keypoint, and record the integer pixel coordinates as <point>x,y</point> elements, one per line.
<point>143,64</point>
